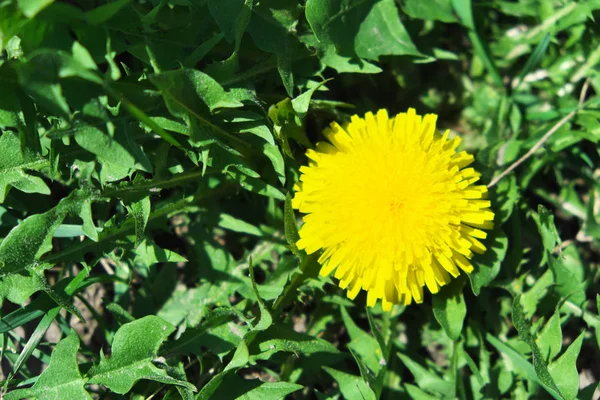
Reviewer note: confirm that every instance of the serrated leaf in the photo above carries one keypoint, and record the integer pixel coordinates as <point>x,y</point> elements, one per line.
<point>28,241</point>
<point>18,287</point>
<point>133,350</point>
<point>450,309</point>
<point>568,277</point>
<point>14,167</point>
<point>62,379</point>
<point>539,362</point>
<point>545,223</point>
<point>193,90</point>
<point>280,338</point>
<point>139,210</point>
<point>368,29</point>
<point>550,338</point>
<point>564,369</point>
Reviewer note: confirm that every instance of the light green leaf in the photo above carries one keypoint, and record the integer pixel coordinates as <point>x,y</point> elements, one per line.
<point>134,347</point>
<point>450,309</point>
<point>545,223</point>
<point>568,277</point>
<point>539,362</point>
<point>61,380</point>
<point>363,344</point>
<point>550,338</point>
<point>14,167</point>
<point>148,253</point>
<point>30,8</point>
<point>564,369</point>
<point>351,386</point>
<point>28,241</point>
<point>437,10</point>
<point>280,338</point>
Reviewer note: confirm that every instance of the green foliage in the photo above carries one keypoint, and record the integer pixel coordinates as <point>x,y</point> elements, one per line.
<point>148,156</point>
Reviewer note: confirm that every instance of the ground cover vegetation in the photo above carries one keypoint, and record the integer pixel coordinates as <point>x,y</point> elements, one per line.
<point>149,237</point>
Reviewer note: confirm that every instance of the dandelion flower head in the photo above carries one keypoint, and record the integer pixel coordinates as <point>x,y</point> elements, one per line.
<point>392,206</point>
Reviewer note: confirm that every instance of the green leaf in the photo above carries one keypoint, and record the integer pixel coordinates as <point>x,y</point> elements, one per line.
<point>139,210</point>
<point>301,103</point>
<point>193,90</point>
<point>450,309</point>
<point>437,10</point>
<point>365,28</point>
<point>344,64</point>
<point>564,369</point>
<point>280,338</point>
<point>550,338</point>
<point>272,24</point>
<point>28,241</point>
<point>118,148</point>
<point>568,276</point>
<point>545,223</point>
<point>487,265</point>
<point>426,379</point>
<point>232,16</point>
<point>14,168</point>
<point>256,185</point>
<point>61,380</point>
<point>105,12</point>
<point>240,358</point>
<point>133,350</point>
<point>234,387</point>
<point>290,228</point>
<point>30,8</point>
<point>148,253</point>
<point>505,197</point>
<point>226,221</point>
<point>363,344</point>
<point>266,320</point>
<point>539,362</point>
<point>534,59</point>
<point>18,287</point>
<point>351,386</point>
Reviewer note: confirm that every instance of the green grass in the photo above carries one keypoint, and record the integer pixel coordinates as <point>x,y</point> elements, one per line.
<point>148,249</point>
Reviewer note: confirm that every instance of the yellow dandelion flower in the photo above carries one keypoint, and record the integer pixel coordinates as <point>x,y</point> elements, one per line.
<point>392,206</point>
